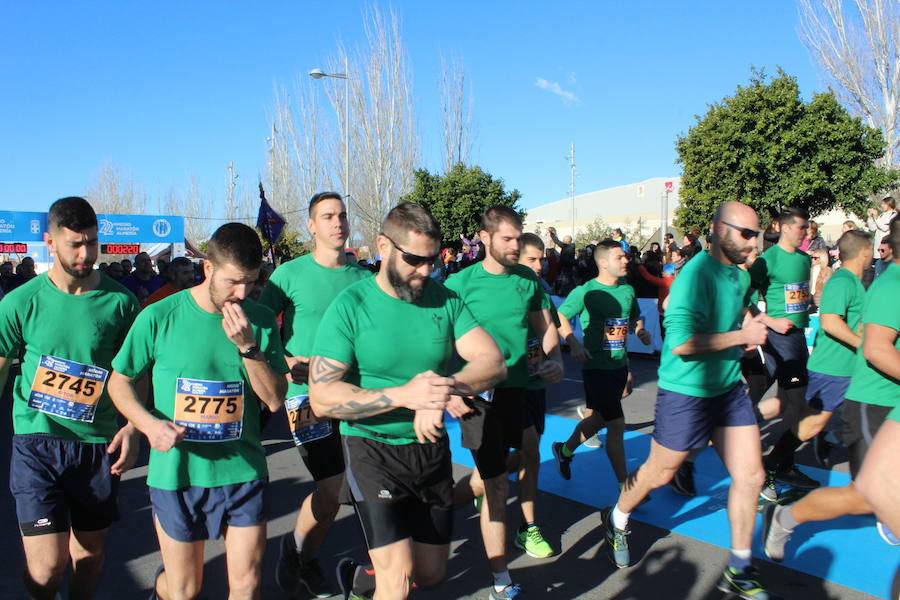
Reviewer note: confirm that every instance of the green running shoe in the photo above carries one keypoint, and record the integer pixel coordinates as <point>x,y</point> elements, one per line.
<point>533,543</point>
<point>744,584</point>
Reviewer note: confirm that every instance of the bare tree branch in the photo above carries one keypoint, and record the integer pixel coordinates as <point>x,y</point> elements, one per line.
<point>456,112</point>
<point>859,52</point>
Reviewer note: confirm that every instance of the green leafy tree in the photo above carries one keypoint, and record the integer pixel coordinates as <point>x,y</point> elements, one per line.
<point>458,198</point>
<point>766,147</point>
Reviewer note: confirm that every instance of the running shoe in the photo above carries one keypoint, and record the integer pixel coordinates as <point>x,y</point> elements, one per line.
<point>822,450</point>
<point>533,543</point>
<point>774,535</point>
<point>794,477</point>
<point>886,534</point>
<point>564,464</point>
<point>744,584</point>
<point>510,592</point>
<point>616,541</point>
<point>683,482</point>
<point>293,575</point>
<point>769,493</point>
<point>346,569</point>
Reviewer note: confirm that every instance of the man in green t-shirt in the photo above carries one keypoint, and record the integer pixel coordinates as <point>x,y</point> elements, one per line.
<point>381,364</point>
<point>701,396</point>
<point>507,299</point>
<point>781,275</point>
<point>873,393</point>
<point>215,355</point>
<point>301,290</point>
<point>527,462</point>
<point>607,308</point>
<point>64,473</point>
<point>831,362</point>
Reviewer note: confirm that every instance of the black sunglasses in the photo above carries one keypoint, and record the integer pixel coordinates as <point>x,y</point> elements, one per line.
<point>746,233</point>
<point>414,260</point>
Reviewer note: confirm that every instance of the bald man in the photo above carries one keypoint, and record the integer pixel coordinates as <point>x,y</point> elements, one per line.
<point>701,396</point>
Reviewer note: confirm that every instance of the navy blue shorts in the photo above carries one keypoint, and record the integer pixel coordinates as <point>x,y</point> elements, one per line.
<point>603,391</point>
<point>687,422</point>
<point>826,392</point>
<point>194,513</point>
<point>786,357</point>
<point>58,484</point>
<point>534,410</point>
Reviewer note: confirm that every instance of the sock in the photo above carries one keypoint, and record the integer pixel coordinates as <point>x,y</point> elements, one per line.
<point>739,559</point>
<point>525,526</point>
<point>785,518</point>
<point>501,580</point>
<point>565,450</point>
<point>619,518</point>
<point>364,581</point>
<point>298,540</point>
<point>782,454</point>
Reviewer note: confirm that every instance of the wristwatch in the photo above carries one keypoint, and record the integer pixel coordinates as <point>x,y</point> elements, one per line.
<point>250,352</point>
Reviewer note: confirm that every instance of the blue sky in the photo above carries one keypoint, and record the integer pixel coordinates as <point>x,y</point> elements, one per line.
<point>171,90</point>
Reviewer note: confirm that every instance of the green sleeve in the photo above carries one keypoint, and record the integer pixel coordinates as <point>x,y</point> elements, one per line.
<point>881,309</point>
<point>463,320</point>
<point>335,336</point>
<point>688,310</point>
<point>10,327</point>
<point>573,304</point>
<point>137,351</point>
<point>759,275</point>
<point>836,297</point>
<point>538,298</point>
<point>273,296</point>
<point>635,310</point>
<point>270,343</point>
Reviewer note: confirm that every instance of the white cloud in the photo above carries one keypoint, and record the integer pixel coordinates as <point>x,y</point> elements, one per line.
<point>554,88</point>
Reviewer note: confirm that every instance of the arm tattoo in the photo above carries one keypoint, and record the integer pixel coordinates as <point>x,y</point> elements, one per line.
<point>326,371</point>
<point>369,402</point>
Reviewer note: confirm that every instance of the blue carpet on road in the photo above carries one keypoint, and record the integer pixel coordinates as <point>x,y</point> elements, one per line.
<point>847,551</point>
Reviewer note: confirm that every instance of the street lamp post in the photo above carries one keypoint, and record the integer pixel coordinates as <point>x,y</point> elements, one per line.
<point>319,74</point>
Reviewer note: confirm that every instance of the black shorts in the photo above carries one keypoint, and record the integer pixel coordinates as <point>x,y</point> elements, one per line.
<point>534,410</point>
<point>493,429</point>
<point>786,357</point>
<point>603,391</point>
<point>861,423</point>
<point>324,457</point>
<point>399,491</point>
<point>58,484</point>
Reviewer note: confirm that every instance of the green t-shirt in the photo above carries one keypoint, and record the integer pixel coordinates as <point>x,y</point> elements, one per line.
<point>842,295</point>
<point>606,312</point>
<point>68,342</point>
<point>302,289</point>
<point>536,350</point>
<point>199,381</point>
<point>895,414</point>
<point>783,280</point>
<point>501,303</point>
<point>869,385</point>
<point>707,297</point>
<point>388,341</point>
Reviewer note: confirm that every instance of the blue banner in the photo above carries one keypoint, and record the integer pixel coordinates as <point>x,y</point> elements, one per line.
<point>146,229</point>
<point>16,226</point>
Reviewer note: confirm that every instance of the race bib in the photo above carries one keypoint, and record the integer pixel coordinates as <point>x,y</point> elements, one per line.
<point>615,332</point>
<point>535,355</point>
<point>67,389</point>
<point>305,425</point>
<point>796,297</point>
<point>211,411</point>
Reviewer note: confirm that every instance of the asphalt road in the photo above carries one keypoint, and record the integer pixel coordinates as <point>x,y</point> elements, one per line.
<point>672,565</point>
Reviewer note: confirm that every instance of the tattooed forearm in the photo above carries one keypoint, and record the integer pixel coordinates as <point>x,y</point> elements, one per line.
<point>369,404</point>
<point>323,370</point>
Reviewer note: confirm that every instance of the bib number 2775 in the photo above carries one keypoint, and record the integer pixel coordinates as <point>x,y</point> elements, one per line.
<point>211,411</point>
